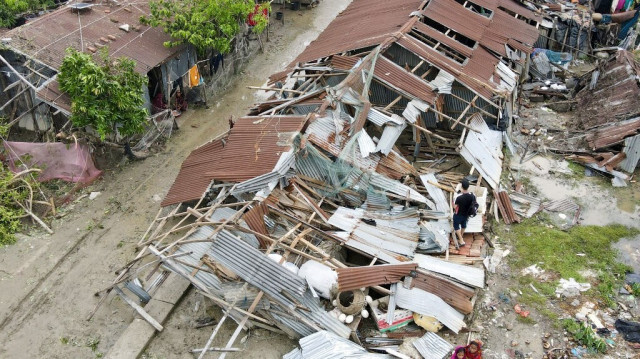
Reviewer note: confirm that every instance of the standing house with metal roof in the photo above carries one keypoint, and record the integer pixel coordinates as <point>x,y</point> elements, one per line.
<point>34,53</point>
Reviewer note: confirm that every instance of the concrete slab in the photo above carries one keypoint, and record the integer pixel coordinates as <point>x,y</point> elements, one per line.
<point>139,333</point>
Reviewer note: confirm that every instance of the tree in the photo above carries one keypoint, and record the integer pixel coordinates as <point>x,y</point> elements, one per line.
<point>10,9</point>
<point>105,96</point>
<point>205,24</point>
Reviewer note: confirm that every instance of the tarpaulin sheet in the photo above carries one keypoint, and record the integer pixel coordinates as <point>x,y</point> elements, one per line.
<point>69,162</point>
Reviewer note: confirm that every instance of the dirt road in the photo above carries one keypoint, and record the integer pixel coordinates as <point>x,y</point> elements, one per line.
<point>47,282</point>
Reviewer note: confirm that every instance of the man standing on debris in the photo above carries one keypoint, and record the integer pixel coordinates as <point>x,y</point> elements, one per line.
<point>461,209</point>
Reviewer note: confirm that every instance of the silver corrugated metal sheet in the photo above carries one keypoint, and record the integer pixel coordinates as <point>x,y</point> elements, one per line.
<point>411,112</point>
<point>432,346</point>
<point>398,188</point>
<point>284,164</point>
<point>443,82</point>
<point>366,144</point>
<point>434,236</point>
<point>632,150</point>
<point>484,150</point>
<point>326,345</point>
<point>438,196</point>
<point>400,237</point>
<point>254,267</point>
<point>197,251</point>
<point>525,205</point>
<point>390,135</point>
<point>236,292</point>
<point>373,251</point>
<point>561,205</point>
<point>425,303</point>
<point>380,119</point>
<point>465,274</point>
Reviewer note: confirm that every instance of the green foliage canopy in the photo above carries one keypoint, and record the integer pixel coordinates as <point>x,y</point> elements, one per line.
<point>104,96</point>
<point>205,24</point>
<point>13,190</point>
<point>9,9</point>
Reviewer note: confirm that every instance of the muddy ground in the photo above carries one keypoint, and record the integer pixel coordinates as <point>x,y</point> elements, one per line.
<point>47,282</point>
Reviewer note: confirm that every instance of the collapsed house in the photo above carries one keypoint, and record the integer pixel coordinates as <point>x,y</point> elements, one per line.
<point>34,53</point>
<point>335,195</point>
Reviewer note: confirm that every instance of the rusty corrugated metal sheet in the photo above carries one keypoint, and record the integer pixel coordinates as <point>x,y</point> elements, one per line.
<point>392,75</point>
<point>506,209</point>
<point>475,74</point>
<point>491,32</point>
<point>615,97</point>
<point>362,24</point>
<point>395,166</point>
<point>403,80</point>
<point>340,62</point>
<point>190,184</point>
<point>46,38</point>
<point>252,148</point>
<point>255,220</point>
<point>456,295</point>
<point>52,94</point>
<point>359,277</point>
<point>613,134</point>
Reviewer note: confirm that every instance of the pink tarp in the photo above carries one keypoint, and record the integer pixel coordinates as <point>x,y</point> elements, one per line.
<point>69,162</point>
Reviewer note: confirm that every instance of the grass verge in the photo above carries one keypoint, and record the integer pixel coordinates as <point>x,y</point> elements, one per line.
<point>583,253</point>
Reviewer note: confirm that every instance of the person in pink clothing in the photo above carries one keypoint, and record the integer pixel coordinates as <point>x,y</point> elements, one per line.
<point>458,353</point>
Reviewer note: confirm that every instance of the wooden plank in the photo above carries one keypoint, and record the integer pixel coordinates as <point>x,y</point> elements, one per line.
<point>139,309</point>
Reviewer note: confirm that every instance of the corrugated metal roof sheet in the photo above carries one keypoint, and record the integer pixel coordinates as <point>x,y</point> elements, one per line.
<point>632,150</point>
<point>191,183</point>
<point>432,346</point>
<point>382,235</point>
<point>465,274</point>
<point>326,345</point>
<point>425,303</point>
<point>616,95</point>
<point>506,209</point>
<point>252,148</point>
<point>455,294</point>
<point>51,93</point>
<point>402,80</point>
<point>46,38</point>
<point>483,150</point>
<point>362,24</point>
<point>257,269</point>
<point>525,205</point>
<point>613,134</point>
<point>358,277</point>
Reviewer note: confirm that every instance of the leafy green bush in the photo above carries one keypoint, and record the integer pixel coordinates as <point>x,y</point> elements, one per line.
<point>13,190</point>
<point>205,24</point>
<point>10,9</point>
<point>105,96</point>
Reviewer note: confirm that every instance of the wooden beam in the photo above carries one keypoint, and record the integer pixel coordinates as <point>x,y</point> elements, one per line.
<point>464,112</point>
<point>154,323</point>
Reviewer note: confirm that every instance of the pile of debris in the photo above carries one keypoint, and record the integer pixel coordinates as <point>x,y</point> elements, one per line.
<point>330,205</point>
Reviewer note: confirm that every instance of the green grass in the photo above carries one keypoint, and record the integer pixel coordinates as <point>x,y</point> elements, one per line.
<point>557,251</point>
<point>577,170</point>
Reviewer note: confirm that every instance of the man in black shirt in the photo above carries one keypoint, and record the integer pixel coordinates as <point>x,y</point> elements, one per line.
<point>461,209</point>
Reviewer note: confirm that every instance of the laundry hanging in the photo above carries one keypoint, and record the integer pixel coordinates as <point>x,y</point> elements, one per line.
<point>194,76</point>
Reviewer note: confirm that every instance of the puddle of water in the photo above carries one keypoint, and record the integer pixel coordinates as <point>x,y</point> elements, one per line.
<point>599,205</point>
<point>629,252</point>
